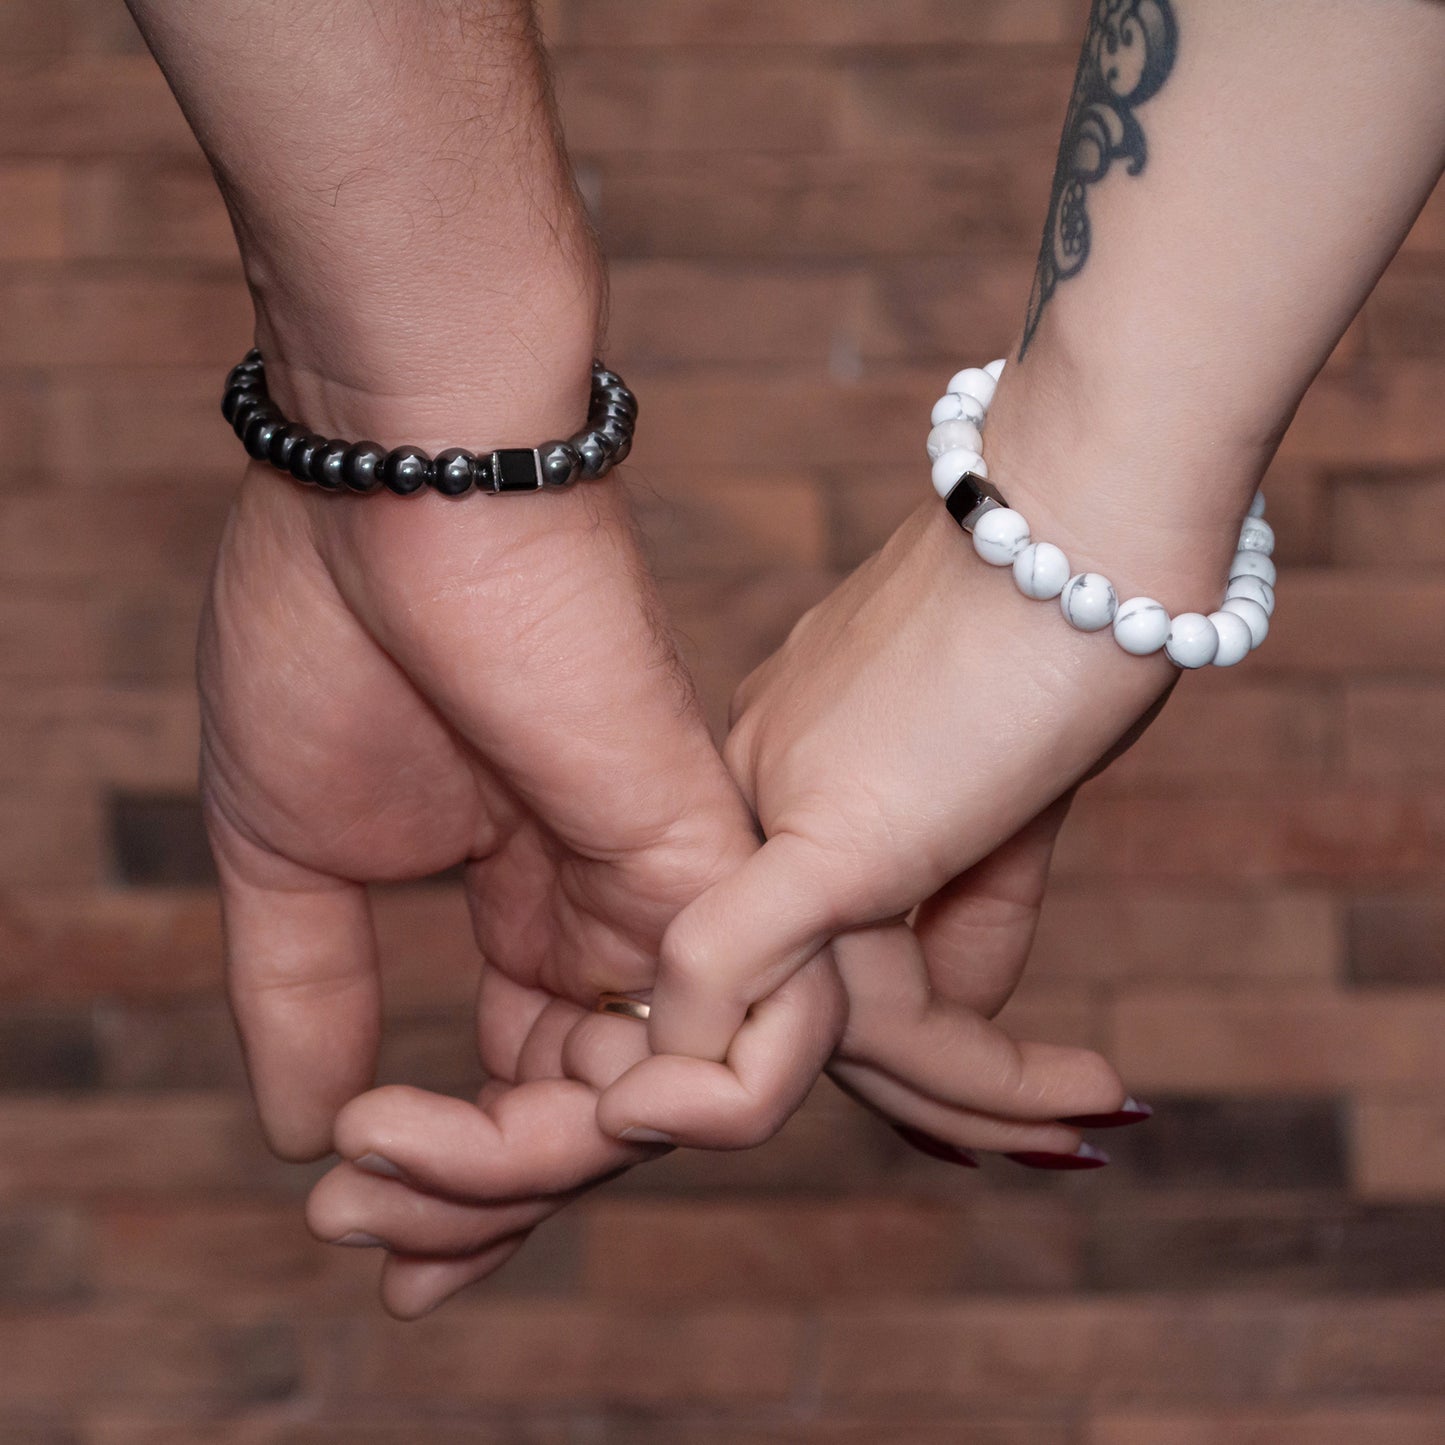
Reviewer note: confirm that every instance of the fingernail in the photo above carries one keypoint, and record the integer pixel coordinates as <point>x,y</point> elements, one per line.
<point>636,1134</point>
<point>1084,1157</point>
<point>935,1148</point>
<point>1131,1111</point>
<point>375,1164</point>
<point>358,1239</point>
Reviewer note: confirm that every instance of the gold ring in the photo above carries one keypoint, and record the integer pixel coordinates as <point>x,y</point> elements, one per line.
<point>623,1006</point>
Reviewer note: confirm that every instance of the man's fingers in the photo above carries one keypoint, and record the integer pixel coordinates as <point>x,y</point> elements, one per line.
<point>739,941</point>
<point>537,1138</point>
<point>775,1058</point>
<point>350,1206</point>
<point>948,1051</point>
<point>414,1286</point>
<point>301,971</point>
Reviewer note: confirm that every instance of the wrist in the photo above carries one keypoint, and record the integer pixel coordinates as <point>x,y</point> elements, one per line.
<point>1145,487</point>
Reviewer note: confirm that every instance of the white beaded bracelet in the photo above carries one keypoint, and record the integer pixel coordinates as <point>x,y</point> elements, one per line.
<point>1088,601</point>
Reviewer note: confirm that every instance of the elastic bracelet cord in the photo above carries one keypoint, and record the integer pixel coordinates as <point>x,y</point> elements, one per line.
<point>1041,571</point>
<point>366,466</point>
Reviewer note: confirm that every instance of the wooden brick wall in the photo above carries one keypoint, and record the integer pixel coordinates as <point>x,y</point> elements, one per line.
<point>814,208</point>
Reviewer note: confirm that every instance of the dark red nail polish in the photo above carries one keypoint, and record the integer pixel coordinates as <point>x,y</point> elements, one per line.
<point>935,1148</point>
<point>1130,1112</point>
<point>1086,1157</point>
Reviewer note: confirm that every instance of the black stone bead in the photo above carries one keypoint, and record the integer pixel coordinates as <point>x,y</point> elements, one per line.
<point>618,398</point>
<point>238,396</point>
<point>616,419</point>
<point>361,467</point>
<point>256,405</point>
<point>328,465</point>
<point>595,453</point>
<point>303,456</point>
<point>248,371</point>
<point>405,470</point>
<point>283,442</point>
<point>601,377</point>
<point>515,469</point>
<point>560,463</point>
<point>454,471</point>
<point>621,448</point>
<point>261,431</point>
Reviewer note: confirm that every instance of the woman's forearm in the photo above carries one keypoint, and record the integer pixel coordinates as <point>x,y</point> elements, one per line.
<point>1232,180</point>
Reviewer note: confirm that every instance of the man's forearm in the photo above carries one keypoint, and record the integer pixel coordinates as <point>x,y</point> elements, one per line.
<point>1232,180</point>
<point>406,216</point>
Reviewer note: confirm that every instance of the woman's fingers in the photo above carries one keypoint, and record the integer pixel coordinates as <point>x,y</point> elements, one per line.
<point>946,1050</point>
<point>352,1207</point>
<point>775,1057</point>
<point>739,941</point>
<point>536,1138</point>
<point>301,972</point>
<point>965,1129</point>
<point>414,1286</point>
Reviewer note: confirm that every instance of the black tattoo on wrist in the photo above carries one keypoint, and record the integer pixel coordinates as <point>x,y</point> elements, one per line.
<point>1128,52</point>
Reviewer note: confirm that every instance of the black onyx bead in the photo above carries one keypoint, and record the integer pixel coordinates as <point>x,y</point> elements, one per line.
<point>405,470</point>
<point>261,431</point>
<point>516,469</point>
<point>237,397</point>
<point>327,466</point>
<point>596,455</point>
<point>245,378</point>
<point>283,442</point>
<point>303,456</point>
<point>560,463</point>
<point>453,471</point>
<point>361,466</point>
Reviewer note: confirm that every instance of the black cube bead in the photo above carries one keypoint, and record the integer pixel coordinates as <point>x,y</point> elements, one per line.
<point>361,466</point>
<point>454,471</point>
<point>405,470</point>
<point>516,469</point>
<point>328,465</point>
<point>303,456</point>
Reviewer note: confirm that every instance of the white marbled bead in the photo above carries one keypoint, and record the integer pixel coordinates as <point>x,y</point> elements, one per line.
<point>1040,571</point>
<point>1256,536</point>
<point>1088,601</point>
<point>1256,507</point>
<point>1253,564</point>
<point>1255,588</point>
<point>953,407</point>
<point>973,381</point>
<point>1141,626</point>
<point>955,435</point>
<point>999,535</point>
<point>1255,617</point>
<point>995,368</point>
<point>948,468</point>
<point>1192,640</point>
<point>1235,641</point>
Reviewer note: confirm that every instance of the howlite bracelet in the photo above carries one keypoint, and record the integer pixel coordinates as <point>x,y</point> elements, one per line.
<point>1002,537</point>
<point>366,466</point>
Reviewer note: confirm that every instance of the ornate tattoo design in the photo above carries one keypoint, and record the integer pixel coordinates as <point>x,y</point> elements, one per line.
<point>1128,53</point>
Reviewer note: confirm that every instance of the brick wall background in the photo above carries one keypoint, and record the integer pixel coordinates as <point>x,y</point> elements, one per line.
<point>814,209</point>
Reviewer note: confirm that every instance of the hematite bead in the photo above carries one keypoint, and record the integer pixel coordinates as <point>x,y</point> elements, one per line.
<point>327,465</point>
<point>595,452</point>
<point>236,398</point>
<point>246,375</point>
<point>405,470</point>
<point>453,471</point>
<point>361,466</point>
<point>303,456</point>
<point>283,442</point>
<point>260,431</point>
<point>560,463</point>
<point>255,405</point>
<point>618,398</point>
<point>601,377</point>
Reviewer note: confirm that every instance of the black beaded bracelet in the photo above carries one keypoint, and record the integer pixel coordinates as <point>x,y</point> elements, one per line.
<point>367,467</point>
